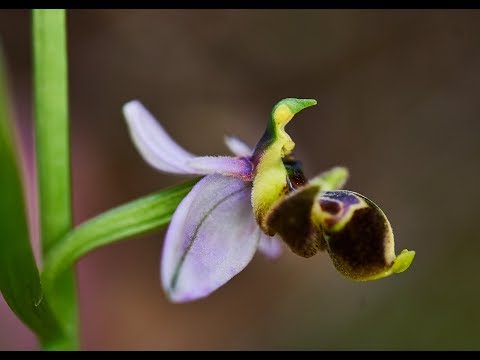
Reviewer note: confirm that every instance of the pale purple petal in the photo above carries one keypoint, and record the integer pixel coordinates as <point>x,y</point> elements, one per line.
<point>225,165</point>
<point>153,142</point>
<point>211,238</point>
<point>270,246</point>
<point>237,146</point>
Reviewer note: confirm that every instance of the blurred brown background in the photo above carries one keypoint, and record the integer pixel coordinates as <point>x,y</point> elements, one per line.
<point>398,103</point>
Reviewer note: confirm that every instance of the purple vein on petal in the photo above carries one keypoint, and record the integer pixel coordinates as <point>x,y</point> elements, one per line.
<point>153,142</point>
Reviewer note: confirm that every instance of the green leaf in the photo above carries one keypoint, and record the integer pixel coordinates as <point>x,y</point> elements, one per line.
<point>53,155</point>
<point>19,278</point>
<point>139,216</point>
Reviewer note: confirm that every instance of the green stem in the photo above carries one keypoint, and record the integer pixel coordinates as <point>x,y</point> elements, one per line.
<point>53,157</point>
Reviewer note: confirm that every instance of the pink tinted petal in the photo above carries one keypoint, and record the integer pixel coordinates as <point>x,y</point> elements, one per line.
<point>270,246</point>
<point>153,142</point>
<point>237,146</point>
<point>211,238</point>
<point>225,165</point>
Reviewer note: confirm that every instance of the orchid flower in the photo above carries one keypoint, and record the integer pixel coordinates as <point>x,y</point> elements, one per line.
<point>256,200</point>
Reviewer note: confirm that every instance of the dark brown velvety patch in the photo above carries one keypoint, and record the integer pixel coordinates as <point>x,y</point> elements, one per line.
<point>358,249</point>
<point>291,219</point>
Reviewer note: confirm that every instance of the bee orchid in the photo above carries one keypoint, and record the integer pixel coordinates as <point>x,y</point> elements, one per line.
<point>256,200</point>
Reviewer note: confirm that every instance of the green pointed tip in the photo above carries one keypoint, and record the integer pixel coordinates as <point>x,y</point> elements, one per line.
<point>295,105</point>
<point>403,261</point>
<point>285,109</point>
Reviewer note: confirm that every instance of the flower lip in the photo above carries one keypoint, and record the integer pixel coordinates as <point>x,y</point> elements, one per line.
<point>359,237</point>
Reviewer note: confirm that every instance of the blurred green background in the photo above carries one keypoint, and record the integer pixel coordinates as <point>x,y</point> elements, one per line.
<point>398,104</point>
